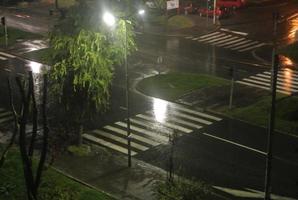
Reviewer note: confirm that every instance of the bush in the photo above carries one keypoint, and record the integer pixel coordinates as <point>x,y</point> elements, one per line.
<point>82,150</point>
<point>182,189</point>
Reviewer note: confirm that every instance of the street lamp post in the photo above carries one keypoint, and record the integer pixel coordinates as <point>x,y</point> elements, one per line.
<point>110,20</point>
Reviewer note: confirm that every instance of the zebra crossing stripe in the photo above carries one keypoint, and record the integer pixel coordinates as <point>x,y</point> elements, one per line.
<point>196,38</point>
<point>280,81</point>
<point>135,136</point>
<point>253,47</point>
<point>5,114</point>
<point>210,34</point>
<point>150,126</point>
<point>262,87</point>
<point>219,39</point>
<point>7,119</point>
<point>267,84</point>
<point>228,38</point>
<point>283,76</point>
<point>212,37</point>
<point>189,37</point>
<point>180,121</point>
<point>167,124</point>
<point>107,144</point>
<point>7,55</point>
<point>280,78</point>
<point>237,44</point>
<point>245,45</point>
<point>290,70</point>
<point>120,140</point>
<point>3,58</point>
<point>191,118</point>
<point>198,113</point>
<point>230,42</point>
<point>149,133</point>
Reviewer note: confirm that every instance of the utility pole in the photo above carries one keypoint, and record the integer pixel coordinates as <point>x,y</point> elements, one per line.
<point>274,72</point>
<point>214,12</point>
<point>232,73</point>
<point>3,22</point>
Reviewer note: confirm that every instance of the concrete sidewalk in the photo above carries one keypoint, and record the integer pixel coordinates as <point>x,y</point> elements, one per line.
<point>107,171</point>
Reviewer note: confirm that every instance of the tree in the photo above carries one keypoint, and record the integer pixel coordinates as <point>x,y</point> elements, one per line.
<point>29,110</point>
<point>86,52</point>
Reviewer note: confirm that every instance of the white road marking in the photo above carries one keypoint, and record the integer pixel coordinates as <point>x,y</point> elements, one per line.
<point>245,45</point>
<point>236,32</point>
<point>230,42</point>
<point>212,37</point>
<point>189,37</point>
<point>7,55</point>
<point>3,58</point>
<point>149,133</point>
<point>237,44</point>
<point>250,193</point>
<point>7,119</point>
<point>202,121</point>
<point>225,39</point>
<point>279,82</point>
<point>120,139</point>
<point>210,34</point>
<point>108,144</point>
<point>167,124</point>
<point>266,84</point>
<point>5,114</point>
<point>151,126</point>
<point>135,136</point>
<point>180,121</point>
<point>219,39</point>
<point>262,87</point>
<point>253,47</point>
<point>290,70</point>
<point>293,76</point>
<point>234,143</point>
<point>199,113</point>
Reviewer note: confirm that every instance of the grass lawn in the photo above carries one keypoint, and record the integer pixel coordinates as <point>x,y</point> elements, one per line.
<point>54,185</point>
<point>180,21</point>
<point>15,34</point>
<point>42,55</point>
<point>172,86</point>
<point>258,113</point>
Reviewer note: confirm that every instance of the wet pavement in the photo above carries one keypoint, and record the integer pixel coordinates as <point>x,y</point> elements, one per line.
<point>226,153</point>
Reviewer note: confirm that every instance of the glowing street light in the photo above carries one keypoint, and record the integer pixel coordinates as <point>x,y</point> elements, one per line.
<point>109,19</point>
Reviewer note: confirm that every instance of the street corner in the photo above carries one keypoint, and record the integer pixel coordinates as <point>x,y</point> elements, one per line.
<point>263,54</point>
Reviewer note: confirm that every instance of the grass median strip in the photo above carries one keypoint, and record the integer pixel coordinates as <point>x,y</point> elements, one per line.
<point>258,113</point>
<point>173,85</point>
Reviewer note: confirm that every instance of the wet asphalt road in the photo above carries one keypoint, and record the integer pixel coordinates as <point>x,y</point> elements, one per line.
<point>221,162</point>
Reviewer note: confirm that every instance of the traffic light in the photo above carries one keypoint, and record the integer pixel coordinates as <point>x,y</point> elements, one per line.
<point>3,21</point>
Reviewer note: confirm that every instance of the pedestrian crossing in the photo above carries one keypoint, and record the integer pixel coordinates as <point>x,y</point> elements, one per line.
<point>5,117</point>
<point>235,42</point>
<point>287,81</point>
<point>148,131</point>
<point>6,56</point>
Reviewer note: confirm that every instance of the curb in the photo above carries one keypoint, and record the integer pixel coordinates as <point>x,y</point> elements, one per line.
<point>82,182</point>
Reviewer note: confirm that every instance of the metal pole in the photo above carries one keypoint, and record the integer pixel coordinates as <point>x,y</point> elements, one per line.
<point>127,98</point>
<point>232,87</point>
<point>6,35</point>
<point>214,12</point>
<point>275,63</point>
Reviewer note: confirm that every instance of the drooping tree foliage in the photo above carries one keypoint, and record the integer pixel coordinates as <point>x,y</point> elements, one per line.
<point>85,54</point>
